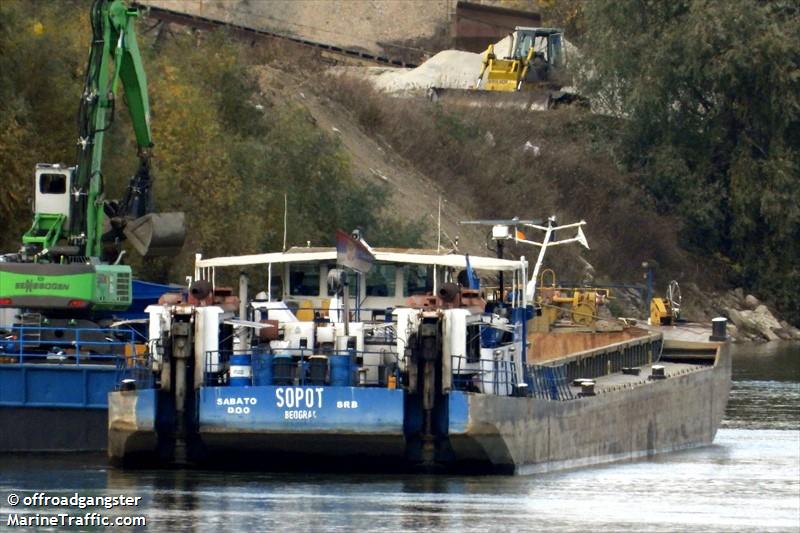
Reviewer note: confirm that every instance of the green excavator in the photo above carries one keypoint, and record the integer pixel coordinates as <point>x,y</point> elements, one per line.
<point>70,264</point>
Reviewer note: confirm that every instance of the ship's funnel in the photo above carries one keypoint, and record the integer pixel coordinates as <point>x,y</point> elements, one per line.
<point>157,234</point>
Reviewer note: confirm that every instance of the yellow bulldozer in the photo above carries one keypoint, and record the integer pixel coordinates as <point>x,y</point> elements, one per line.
<point>525,71</point>
<point>534,55</point>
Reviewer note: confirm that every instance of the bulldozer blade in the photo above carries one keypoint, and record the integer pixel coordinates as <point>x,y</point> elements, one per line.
<point>157,234</point>
<point>527,100</point>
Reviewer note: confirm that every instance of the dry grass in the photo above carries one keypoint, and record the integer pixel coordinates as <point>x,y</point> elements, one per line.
<point>478,156</point>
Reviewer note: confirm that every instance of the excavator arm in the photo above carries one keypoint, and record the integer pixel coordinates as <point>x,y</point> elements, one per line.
<point>63,266</point>
<point>115,58</point>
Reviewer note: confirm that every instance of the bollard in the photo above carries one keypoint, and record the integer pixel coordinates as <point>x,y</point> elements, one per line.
<point>719,329</point>
<point>587,388</point>
<point>657,372</point>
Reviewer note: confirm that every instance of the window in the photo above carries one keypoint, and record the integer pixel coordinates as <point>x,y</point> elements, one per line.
<point>304,280</point>
<point>276,288</point>
<point>381,280</point>
<point>52,183</point>
<point>473,343</point>
<point>418,279</point>
<point>524,45</point>
<point>351,280</point>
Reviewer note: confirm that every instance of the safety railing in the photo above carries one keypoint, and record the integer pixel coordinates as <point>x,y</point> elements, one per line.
<point>308,313</point>
<point>66,345</point>
<point>549,382</point>
<point>300,366</point>
<point>611,359</point>
<point>135,371</point>
<point>487,376</point>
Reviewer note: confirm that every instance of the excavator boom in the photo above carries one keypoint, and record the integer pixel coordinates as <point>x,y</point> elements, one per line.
<point>70,257</point>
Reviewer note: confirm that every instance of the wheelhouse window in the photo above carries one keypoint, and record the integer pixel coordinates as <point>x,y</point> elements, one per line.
<point>304,280</point>
<point>351,280</point>
<point>381,280</point>
<point>418,279</point>
<point>473,343</point>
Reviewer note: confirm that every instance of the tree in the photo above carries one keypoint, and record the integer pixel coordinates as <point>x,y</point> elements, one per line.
<point>711,95</point>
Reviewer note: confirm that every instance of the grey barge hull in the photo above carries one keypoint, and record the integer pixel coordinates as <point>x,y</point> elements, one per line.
<point>629,417</point>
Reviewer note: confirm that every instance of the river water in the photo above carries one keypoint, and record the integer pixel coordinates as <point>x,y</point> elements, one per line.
<point>748,480</point>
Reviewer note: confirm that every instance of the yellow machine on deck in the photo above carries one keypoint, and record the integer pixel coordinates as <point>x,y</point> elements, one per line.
<point>580,306</point>
<point>666,311</point>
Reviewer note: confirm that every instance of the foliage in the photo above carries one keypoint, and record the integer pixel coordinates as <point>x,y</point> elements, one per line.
<point>565,14</point>
<point>478,157</point>
<point>711,93</point>
<point>41,62</point>
<point>224,153</point>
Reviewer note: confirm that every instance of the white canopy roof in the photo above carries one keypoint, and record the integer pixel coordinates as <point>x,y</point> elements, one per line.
<point>406,257</point>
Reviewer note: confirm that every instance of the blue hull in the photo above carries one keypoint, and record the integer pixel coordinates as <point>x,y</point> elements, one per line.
<point>300,409</point>
<point>51,407</point>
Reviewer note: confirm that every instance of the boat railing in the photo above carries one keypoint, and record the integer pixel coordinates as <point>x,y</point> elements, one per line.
<point>135,371</point>
<point>323,314</point>
<point>488,376</point>
<point>549,382</point>
<point>614,358</point>
<point>555,381</point>
<point>66,345</point>
<point>262,366</point>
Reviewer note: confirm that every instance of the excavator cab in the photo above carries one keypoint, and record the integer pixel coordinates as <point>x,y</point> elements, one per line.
<point>51,207</point>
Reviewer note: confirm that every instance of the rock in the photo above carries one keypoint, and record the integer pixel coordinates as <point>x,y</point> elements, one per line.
<point>790,330</point>
<point>766,316</point>
<point>783,334</point>
<point>736,317</point>
<point>759,322</point>
<point>751,302</point>
<point>739,293</point>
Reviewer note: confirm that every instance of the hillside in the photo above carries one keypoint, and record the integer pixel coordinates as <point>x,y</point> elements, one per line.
<point>238,125</point>
<point>411,194</point>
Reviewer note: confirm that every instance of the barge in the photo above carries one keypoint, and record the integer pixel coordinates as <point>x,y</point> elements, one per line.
<point>56,373</point>
<point>417,368</point>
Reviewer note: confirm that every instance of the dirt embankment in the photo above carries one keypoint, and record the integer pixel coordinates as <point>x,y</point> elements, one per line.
<point>412,195</point>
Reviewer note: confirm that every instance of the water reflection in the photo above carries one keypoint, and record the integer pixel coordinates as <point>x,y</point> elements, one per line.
<point>766,387</point>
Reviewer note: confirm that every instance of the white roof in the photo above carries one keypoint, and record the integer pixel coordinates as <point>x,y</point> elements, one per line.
<point>447,260</point>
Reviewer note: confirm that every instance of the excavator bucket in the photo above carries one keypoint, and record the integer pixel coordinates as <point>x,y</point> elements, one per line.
<point>157,234</point>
